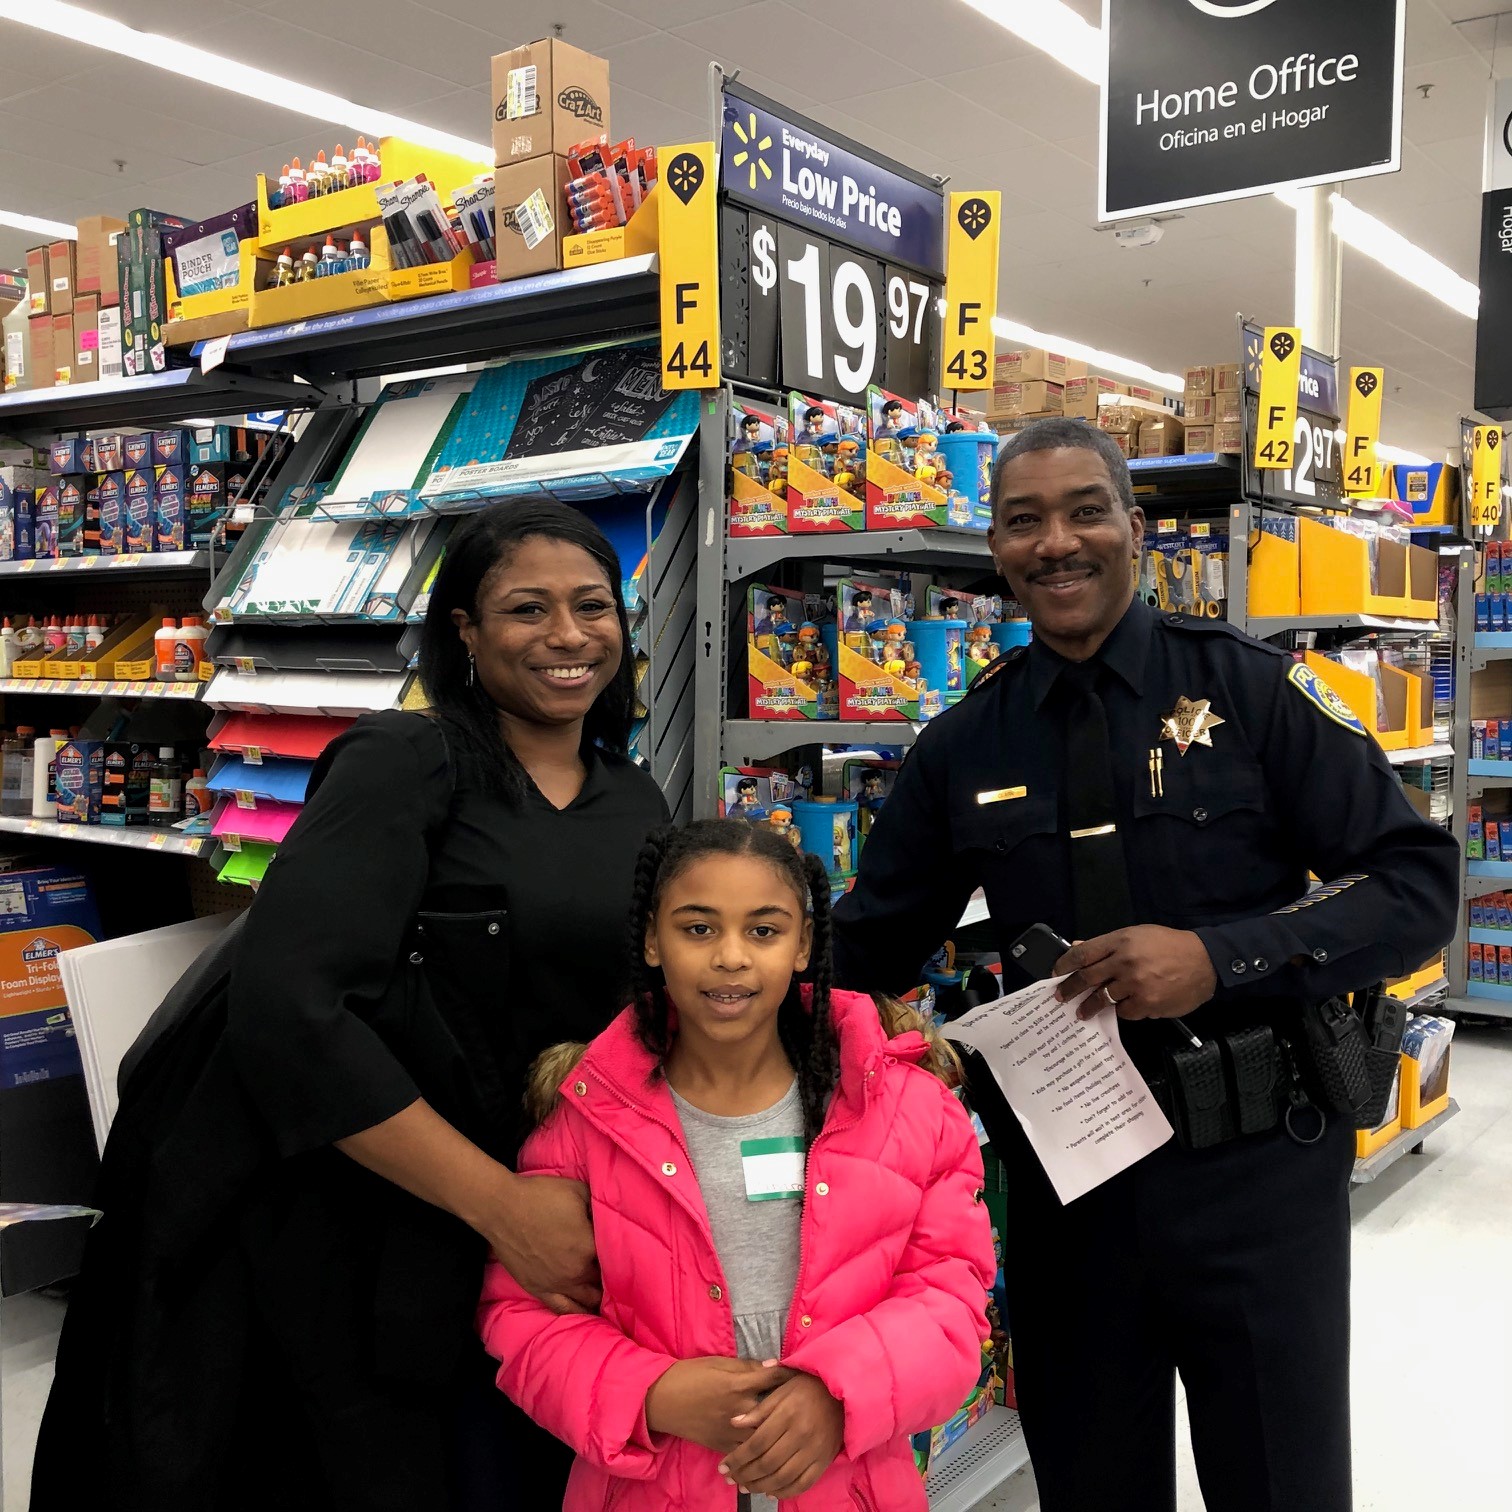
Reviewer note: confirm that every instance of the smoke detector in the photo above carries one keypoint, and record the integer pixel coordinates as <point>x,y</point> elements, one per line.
<point>1139,234</point>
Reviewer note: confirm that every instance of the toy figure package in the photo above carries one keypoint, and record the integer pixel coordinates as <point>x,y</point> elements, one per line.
<point>790,655</point>
<point>758,473</point>
<point>880,672</point>
<point>826,467</point>
<point>903,465</point>
<point>867,783</point>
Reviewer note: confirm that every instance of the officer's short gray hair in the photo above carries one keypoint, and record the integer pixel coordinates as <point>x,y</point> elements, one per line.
<point>1056,434</point>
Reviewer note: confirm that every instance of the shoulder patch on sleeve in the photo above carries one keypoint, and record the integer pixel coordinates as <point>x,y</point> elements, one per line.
<point>1317,692</point>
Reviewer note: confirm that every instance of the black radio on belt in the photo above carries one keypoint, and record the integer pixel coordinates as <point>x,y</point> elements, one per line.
<point>1356,1044</point>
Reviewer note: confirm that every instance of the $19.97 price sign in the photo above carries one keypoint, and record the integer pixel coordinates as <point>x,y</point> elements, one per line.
<point>830,261</point>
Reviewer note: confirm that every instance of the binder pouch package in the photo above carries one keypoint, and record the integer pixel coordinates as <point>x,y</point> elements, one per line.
<point>43,911</point>
<point>570,422</point>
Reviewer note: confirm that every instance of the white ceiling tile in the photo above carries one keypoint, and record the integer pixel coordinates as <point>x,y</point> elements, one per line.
<point>172,18</point>
<point>585,23</point>
<point>1461,159</point>
<point>815,61</point>
<point>654,121</point>
<point>1455,105</point>
<point>670,14</point>
<point>32,60</point>
<point>665,67</point>
<point>1032,92</point>
<point>1053,178</point>
<point>465,113</point>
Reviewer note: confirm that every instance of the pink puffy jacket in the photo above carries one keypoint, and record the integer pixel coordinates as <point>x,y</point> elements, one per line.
<point>889,1310</point>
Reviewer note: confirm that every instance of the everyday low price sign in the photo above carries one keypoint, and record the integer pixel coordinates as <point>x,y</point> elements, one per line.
<point>1219,99</point>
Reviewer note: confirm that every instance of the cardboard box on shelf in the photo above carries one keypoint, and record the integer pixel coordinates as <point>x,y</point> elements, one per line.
<point>1161,436</point>
<point>1199,409</point>
<point>37,302</point>
<point>547,97</point>
<point>1199,440</point>
<point>1081,395</point>
<point>531,214</point>
<point>1036,397</point>
<point>1142,391</point>
<point>108,323</point>
<point>62,347</point>
<point>1228,407</point>
<point>60,277</point>
<point>1228,438</point>
<point>1032,364</point>
<point>1122,419</point>
<point>96,269</point>
<point>43,374</point>
<point>1226,378</point>
<point>86,338</point>
<point>144,290</point>
<point>1198,380</point>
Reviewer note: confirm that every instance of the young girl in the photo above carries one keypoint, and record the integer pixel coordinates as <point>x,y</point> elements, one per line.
<point>787,1208</point>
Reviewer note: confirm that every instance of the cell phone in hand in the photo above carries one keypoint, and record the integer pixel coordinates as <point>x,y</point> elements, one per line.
<point>1037,950</point>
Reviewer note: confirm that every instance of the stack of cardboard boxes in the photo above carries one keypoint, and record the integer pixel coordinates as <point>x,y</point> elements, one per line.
<point>548,97</point>
<point>74,297</point>
<point>1211,404</point>
<point>1030,384</point>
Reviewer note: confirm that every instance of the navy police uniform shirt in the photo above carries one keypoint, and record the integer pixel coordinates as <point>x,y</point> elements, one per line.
<point>1278,778</point>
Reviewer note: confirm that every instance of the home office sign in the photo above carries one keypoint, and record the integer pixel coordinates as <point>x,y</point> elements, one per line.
<point>1211,100</point>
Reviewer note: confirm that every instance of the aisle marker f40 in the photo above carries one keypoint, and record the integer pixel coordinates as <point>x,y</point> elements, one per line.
<point>972,237</point>
<point>1280,366</point>
<point>689,248</point>
<point>1485,477</point>
<point>1362,473</point>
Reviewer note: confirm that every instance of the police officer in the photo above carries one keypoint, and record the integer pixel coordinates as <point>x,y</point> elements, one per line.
<point>1157,787</point>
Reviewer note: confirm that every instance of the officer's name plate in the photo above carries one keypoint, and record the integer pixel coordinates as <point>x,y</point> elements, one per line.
<point>1087,1111</point>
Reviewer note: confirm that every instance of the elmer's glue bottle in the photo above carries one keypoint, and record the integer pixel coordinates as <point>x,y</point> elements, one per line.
<point>283,274</point>
<point>299,190</point>
<point>164,648</point>
<point>330,258</point>
<point>283,190</point>
<point>7,648</point>
<point>340,169</point>
<point>361,161</point>
<point>189,649</point>
<point>308,264</point>
<point>358,252</point>
<point>197,799</point>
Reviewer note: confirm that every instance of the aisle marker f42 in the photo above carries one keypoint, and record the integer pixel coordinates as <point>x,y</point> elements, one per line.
<point>1362,473</point>
<point>689,249</point>
<point>1280,366</point>
<point>1485,477</point>
<point>972,237</point>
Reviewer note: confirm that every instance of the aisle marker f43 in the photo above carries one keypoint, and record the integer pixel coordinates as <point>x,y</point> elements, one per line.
<point>1280,366</point>
<point>1485,477</point>
<point>689,249</point>
<point>972,237</point>
<point>1362,473</point>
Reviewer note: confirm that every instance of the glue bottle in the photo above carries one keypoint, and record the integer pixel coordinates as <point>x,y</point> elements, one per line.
<point>7,649</point>
<point>164,646</point>
<point>308,264</point>
<point>340,170</point>
<point>282,190</point>
<point>357,253</point>
<point>197,796</point>
<point>44,785</point>
<point>189,649</point>
<point>330,257</point>
<point>165,794</point>
<point>283,274</point>
<point>299,189</point>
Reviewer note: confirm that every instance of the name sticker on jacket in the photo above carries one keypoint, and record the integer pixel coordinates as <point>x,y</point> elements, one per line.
<point>773,1168</point>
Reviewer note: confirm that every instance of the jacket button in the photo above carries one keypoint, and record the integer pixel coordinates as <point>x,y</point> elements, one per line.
<point>1320,955</point>
<point>822,1189</point>
<point>581,1088</point>
<point>716,1293</point>
<point>1260,964</point>
<point>805,1321</point>
<point>1200,815</point>
<point>1238,967</point>
<point>493,928</point>
<point>668,1169</point>
<point>1001,845</point>
<point>416,959</point>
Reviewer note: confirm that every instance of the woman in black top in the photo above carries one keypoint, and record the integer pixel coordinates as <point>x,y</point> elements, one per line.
<point>452,900</point>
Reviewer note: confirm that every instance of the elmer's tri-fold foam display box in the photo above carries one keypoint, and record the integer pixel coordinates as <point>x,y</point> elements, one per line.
<point>112,512</point>
<point>137,514</point>
<point>43,912</point>
<point>169,517</point>
<point>80,765</point>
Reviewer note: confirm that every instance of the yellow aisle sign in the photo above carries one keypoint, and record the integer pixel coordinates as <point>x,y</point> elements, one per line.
<point>973,233</point>
<point>689,268</point>
<point>1362,472</point>
<point>1485,477</point>
<point>1280,368</point>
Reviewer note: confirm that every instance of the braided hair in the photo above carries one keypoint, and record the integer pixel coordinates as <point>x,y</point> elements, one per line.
<point>807,1034</point>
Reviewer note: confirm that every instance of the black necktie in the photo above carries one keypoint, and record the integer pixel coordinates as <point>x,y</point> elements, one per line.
<point>1099,878</point>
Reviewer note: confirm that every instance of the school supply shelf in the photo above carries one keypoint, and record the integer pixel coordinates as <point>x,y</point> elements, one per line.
<point>164,841</point>
<point>152,563</point>
<point>62,687</point>
<point>992,1451</point>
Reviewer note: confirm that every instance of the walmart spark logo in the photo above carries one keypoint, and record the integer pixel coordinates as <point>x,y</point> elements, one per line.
<point>750,154</point>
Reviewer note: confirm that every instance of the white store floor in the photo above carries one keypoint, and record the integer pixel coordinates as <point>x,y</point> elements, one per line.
<point>1432,1322</point>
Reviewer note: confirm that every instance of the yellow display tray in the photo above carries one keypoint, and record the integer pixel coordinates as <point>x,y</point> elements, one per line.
<point>379,283</point>
<point>1359,692</point>
<point>1335,575</point>
<point>639,235</point>
<point>1420,1106</point>
<point>217,312</point>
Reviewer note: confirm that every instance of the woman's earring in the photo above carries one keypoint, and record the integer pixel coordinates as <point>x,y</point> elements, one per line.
<point>472,669</point>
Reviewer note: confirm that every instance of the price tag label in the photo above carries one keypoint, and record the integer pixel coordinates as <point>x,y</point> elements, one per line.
<point>221,615</point>
<point>85,563</point>
<point>213,353</point>
<point>29,564</point>
<point>231,842</point>
<point>245,800</point>
<point>252,755</point>
<point>1165,527</point>
<point>1201,529</point>
<point>689,242</point>
<point>158,841</point>
<point>246,665</point>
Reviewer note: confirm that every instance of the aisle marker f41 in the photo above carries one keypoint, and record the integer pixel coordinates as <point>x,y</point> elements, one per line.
<point>689,249</point>
<point>972,237</point>
<point>1485,477</point>
<point>1362,473</point>
<point>1275,426</point>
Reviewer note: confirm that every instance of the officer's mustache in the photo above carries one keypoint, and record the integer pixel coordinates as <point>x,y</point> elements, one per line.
<point>1071,564</point>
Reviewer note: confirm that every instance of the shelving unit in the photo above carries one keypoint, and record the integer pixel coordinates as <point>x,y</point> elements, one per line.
<point>139,564</point>
<point>992,1452</point>
<point>165,841</point>
<point>60,688</point>
<point>1408,1142</point>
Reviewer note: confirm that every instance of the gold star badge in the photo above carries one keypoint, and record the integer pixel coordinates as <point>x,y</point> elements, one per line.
<point>1191,722</point>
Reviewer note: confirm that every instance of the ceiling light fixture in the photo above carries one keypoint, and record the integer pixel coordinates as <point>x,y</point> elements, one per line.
<point>1053,28</point>
<point>37,226</point>
<point>1107,362</point>
<point>1395,454</point>
<point>75,24</point>
<point>1359,229</point>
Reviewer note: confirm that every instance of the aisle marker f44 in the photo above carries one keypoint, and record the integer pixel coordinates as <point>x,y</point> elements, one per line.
<point>689,248</point>
<point>1280,365</point>
<point>972,237</point>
